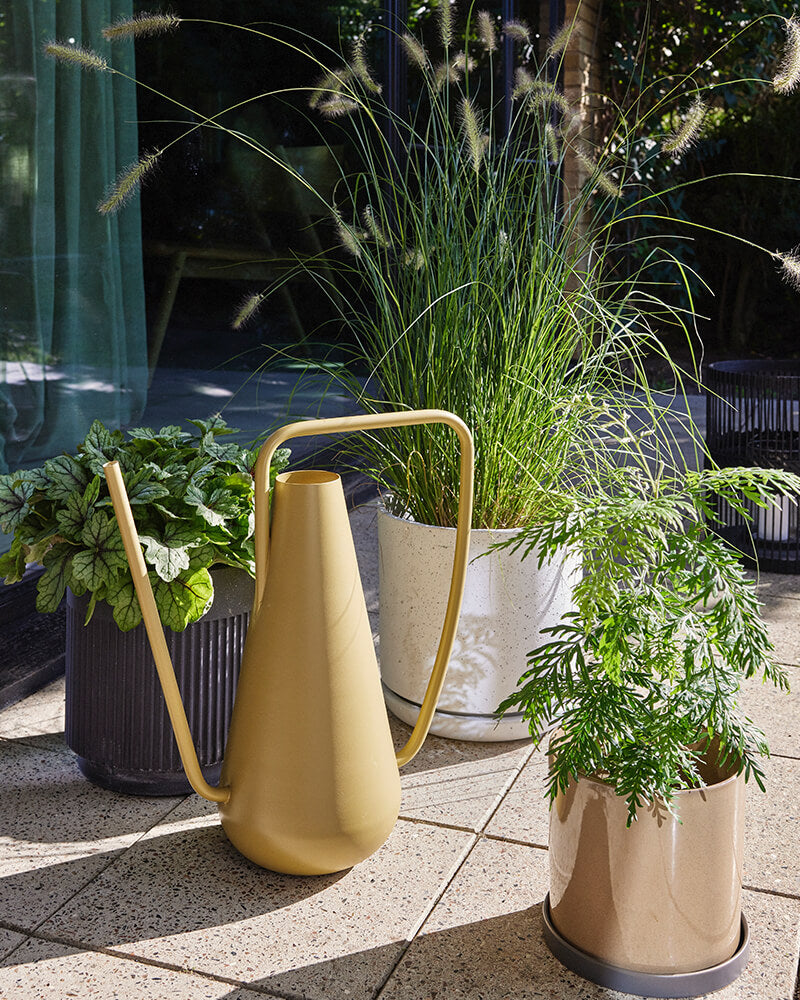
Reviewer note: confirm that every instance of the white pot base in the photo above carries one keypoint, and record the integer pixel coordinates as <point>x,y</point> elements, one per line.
<point>457,726</point>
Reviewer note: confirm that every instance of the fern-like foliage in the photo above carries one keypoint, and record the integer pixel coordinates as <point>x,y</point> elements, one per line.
<point>642,680</point>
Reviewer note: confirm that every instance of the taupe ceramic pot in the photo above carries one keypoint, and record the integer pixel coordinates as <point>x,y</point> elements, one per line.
<point>660,896</point>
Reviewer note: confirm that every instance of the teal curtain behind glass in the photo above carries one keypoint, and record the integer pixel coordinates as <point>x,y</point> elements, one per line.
<point>73,343</point>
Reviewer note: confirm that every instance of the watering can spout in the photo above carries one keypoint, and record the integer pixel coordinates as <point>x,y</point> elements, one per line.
<point>310,781</point>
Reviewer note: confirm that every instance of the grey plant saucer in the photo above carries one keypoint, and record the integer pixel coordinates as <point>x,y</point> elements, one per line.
<point>686,984</point>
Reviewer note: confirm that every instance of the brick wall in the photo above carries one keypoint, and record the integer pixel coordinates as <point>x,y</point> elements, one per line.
<point>581,78</point>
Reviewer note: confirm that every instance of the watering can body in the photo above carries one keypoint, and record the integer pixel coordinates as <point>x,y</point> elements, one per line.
<point>309,759</point>
<point>310,782</point>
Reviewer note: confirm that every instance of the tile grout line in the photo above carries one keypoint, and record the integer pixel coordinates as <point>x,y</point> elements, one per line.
<point>772,892</point>
<point>137,960</point>
<point>477,837</point>
<point>34,932</point>
<point>413,934</point>
<point>28,741</point>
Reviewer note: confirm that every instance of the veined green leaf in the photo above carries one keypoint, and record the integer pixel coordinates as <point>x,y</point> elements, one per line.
<point>121,595</point>
<point>12,563</point>
<point>170,515</point>
<point>102,442</point>
<point>104,553</point>
<point>91,493</point>
<point>36,477</point>
<point>195,498</point>
<point>183,600</point>
<point>167,557</point>
<point>66,477</point>
<point>72,519</point>
<point>54,581</point>
<point>14,503</point>
<point>213,426</point>
<point>147,492</point>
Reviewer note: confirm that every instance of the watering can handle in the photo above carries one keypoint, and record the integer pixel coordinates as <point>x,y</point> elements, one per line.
<point>375,421</point>
<point>152,622</point>
<point>155,634</point>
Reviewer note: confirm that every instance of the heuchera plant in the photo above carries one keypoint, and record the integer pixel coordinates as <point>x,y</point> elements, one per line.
<point>192,500</point>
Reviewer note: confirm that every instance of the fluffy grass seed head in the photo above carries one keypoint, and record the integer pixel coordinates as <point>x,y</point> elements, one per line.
<point>487,31</point>
<point>523,83</point>
<point>248,307</point>
<point>337,106</point>
<point>470,122</point>
<point>790,266</point>
<point>415,51</point>
<point>788,75</point>
<point>462,63</point>
<point>141,26</point>
<point>597,176</point>
<point>127,184</point>
<point>446,12</point>
<point>349,238</point>
<point>361,69</point>
<point>551,142</point>
<point>539,94</point>
<point>414,259</point>
<point>560,40</point>
<point>689,132</point>
<point>518,31</point>
<point>448,72</point>
<point>374,228</point>
<point>330,85</point>
<point>76,54</point>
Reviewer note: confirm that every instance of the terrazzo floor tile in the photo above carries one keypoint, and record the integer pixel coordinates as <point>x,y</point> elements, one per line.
<point>457,782</point>
<point>185,897</point>
<point>38,719</point>
<point>775,712</point>
<point>524,813</point>
<point>57,831</point>
<point>776,588</point>
<point>9,940</point>
<point>772,829</point>
<point>785,636</point>
<point>44,970</point>
<point>483,940</point>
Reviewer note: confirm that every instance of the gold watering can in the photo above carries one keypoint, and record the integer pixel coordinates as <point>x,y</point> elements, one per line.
<point>309,781</point>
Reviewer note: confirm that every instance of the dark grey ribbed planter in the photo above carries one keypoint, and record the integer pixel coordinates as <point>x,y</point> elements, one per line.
<point>116,718</point>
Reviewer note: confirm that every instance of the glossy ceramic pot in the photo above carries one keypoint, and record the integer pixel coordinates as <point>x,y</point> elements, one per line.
<point>661,897</point>
<point>507,601</point>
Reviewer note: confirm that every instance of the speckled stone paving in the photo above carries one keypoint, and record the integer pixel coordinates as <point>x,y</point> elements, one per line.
<point>108,896</point>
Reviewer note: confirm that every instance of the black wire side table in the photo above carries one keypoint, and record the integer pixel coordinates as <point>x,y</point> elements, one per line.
<point>753,419</point>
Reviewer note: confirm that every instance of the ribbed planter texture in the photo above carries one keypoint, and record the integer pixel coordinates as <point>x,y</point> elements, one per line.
<point>116,718</point>
<point>654,908</point>
<point>507,602</point>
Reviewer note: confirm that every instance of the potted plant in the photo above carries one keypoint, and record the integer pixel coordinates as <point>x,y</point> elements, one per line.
<point>466,283</point>
<point>636,695</point>
<point>193,497</point>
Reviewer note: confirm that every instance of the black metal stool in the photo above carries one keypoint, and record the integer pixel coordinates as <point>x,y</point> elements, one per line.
<point>753,419</point>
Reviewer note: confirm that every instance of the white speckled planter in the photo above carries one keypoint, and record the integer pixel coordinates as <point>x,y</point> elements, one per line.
<point>506,602</point>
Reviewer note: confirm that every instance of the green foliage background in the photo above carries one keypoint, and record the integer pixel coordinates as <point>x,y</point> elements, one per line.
<point>751,130</point>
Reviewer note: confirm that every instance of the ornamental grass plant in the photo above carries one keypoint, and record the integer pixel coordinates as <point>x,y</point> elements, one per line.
<point>466,278</point>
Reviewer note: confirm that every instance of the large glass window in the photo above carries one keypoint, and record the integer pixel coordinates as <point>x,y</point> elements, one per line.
<point>71,319</point>
<point>215,219</point>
